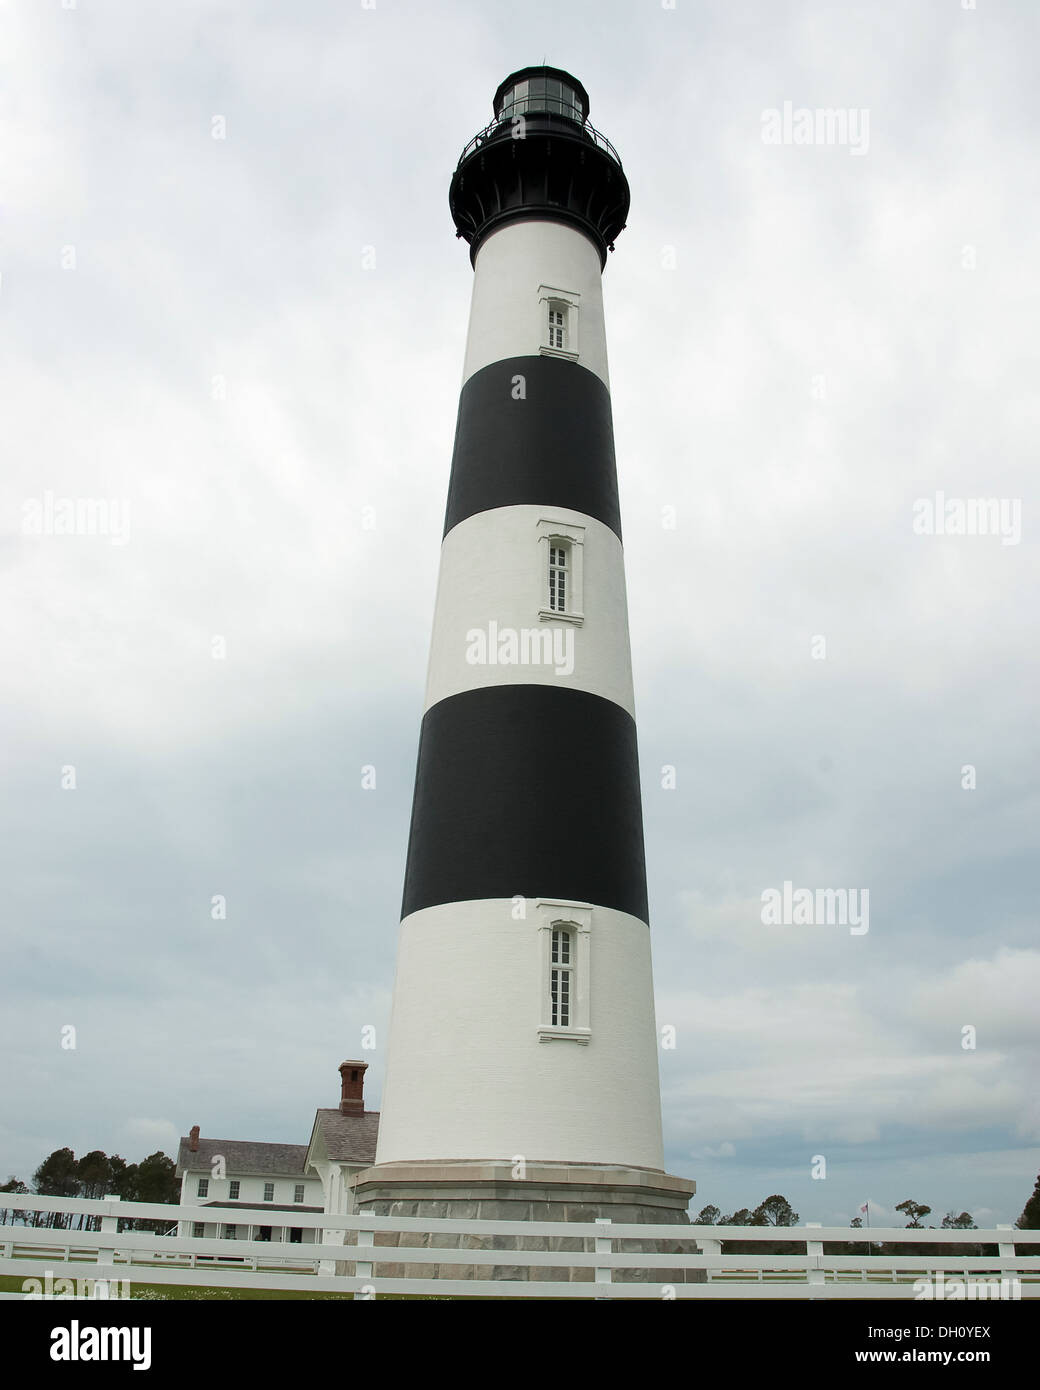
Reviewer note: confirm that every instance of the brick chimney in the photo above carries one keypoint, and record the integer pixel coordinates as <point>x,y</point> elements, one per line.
<point>193,1139</point>
<point>352,1098</point>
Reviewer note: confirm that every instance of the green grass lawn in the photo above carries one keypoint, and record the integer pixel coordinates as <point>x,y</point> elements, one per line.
<point>12,1283</point>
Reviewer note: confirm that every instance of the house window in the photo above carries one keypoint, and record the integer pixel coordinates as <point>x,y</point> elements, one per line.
<point>298,1193</point>
<point>295,1235</point>
<point>203,1187</point>
<point>268,1191</point>
<point>561,560</point>
<point>564,929</point>
<point>229,1232</point>
<point>560,977</point>
<point>198,1228</point>
<point>264,1233</point>
<point>557,577</point>
<point>234,1189</point>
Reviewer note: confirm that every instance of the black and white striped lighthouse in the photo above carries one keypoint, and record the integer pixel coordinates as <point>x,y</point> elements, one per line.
<point>523,1045</point>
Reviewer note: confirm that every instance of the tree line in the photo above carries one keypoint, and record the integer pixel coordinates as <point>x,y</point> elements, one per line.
<point>95,1175</point>
<point>777,1211</point>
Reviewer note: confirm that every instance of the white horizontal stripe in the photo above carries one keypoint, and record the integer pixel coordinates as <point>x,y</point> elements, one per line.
<point>494,580</point>
<point>467,1075</point>
<point>506,314</point>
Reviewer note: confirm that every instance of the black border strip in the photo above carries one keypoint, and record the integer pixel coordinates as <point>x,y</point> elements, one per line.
<point>529,790</point>
<point>552,447</point>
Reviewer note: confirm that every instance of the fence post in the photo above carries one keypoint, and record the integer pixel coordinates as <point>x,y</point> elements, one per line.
<point>814,1248</point>
<point>604,1246</point>
<point>363,1268</point>
<point>108,1223</point>
<point>707,1246</point>
<point>329,1238</point>
<point>1006,1251</point>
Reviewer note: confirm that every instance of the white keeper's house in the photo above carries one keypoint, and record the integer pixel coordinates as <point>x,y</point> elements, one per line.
<point>231,1175</point>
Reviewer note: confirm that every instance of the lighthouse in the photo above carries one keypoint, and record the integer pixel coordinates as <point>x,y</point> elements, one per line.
<point>522,1075</point>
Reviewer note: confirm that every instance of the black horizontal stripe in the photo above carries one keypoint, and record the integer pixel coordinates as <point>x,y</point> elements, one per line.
<point>552,447</point>
<point>529,790</point>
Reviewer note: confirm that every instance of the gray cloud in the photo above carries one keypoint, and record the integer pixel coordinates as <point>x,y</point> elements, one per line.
<point>240,260</point>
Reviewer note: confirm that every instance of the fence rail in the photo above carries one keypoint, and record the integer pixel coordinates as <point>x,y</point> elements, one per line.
<point>352,1242</point>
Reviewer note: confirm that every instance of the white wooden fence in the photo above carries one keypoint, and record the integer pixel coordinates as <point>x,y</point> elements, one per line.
<point>41,1253</point>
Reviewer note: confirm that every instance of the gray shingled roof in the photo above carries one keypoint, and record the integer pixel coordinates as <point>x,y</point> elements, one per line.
<point>348,1138</point>
<point>265,1206</point>
<point>243,1156</point>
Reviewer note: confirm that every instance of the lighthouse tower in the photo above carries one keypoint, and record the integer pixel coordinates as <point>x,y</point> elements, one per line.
<point>522,1060</point>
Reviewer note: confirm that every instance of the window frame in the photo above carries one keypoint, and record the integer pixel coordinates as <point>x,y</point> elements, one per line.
<point>299,1193</point>
<point>568,303</point>
<point>268,1191</point>
<point>559,574</point>
<point>552,533</point>
<point>202,1187</point>
<point>554,914</point>
<point>234,1188</point>
<point>563,966</point>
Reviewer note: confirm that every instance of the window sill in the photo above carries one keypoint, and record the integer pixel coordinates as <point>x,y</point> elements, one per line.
<point>558,352</point>
<point>578,1035</point>
<point>549,615</point>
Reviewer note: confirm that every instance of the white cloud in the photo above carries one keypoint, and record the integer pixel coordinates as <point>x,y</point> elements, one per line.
<point>152,1135</point>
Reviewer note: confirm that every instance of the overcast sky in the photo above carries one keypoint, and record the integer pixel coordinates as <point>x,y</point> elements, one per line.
<point>240,344</point>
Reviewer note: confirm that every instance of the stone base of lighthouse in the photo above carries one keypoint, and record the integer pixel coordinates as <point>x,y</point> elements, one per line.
<point>489,1191</point>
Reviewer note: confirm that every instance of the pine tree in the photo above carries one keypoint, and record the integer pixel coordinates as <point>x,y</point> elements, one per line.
<point>56,1177</point>
<point>914,1211</point>
<point>964,1222</point>
<point>15,1186</point>
<point>774,1211</point>
<point>1030,1218</point>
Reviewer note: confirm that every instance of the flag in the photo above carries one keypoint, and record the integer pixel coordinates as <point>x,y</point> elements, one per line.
<point>863,1208</point>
